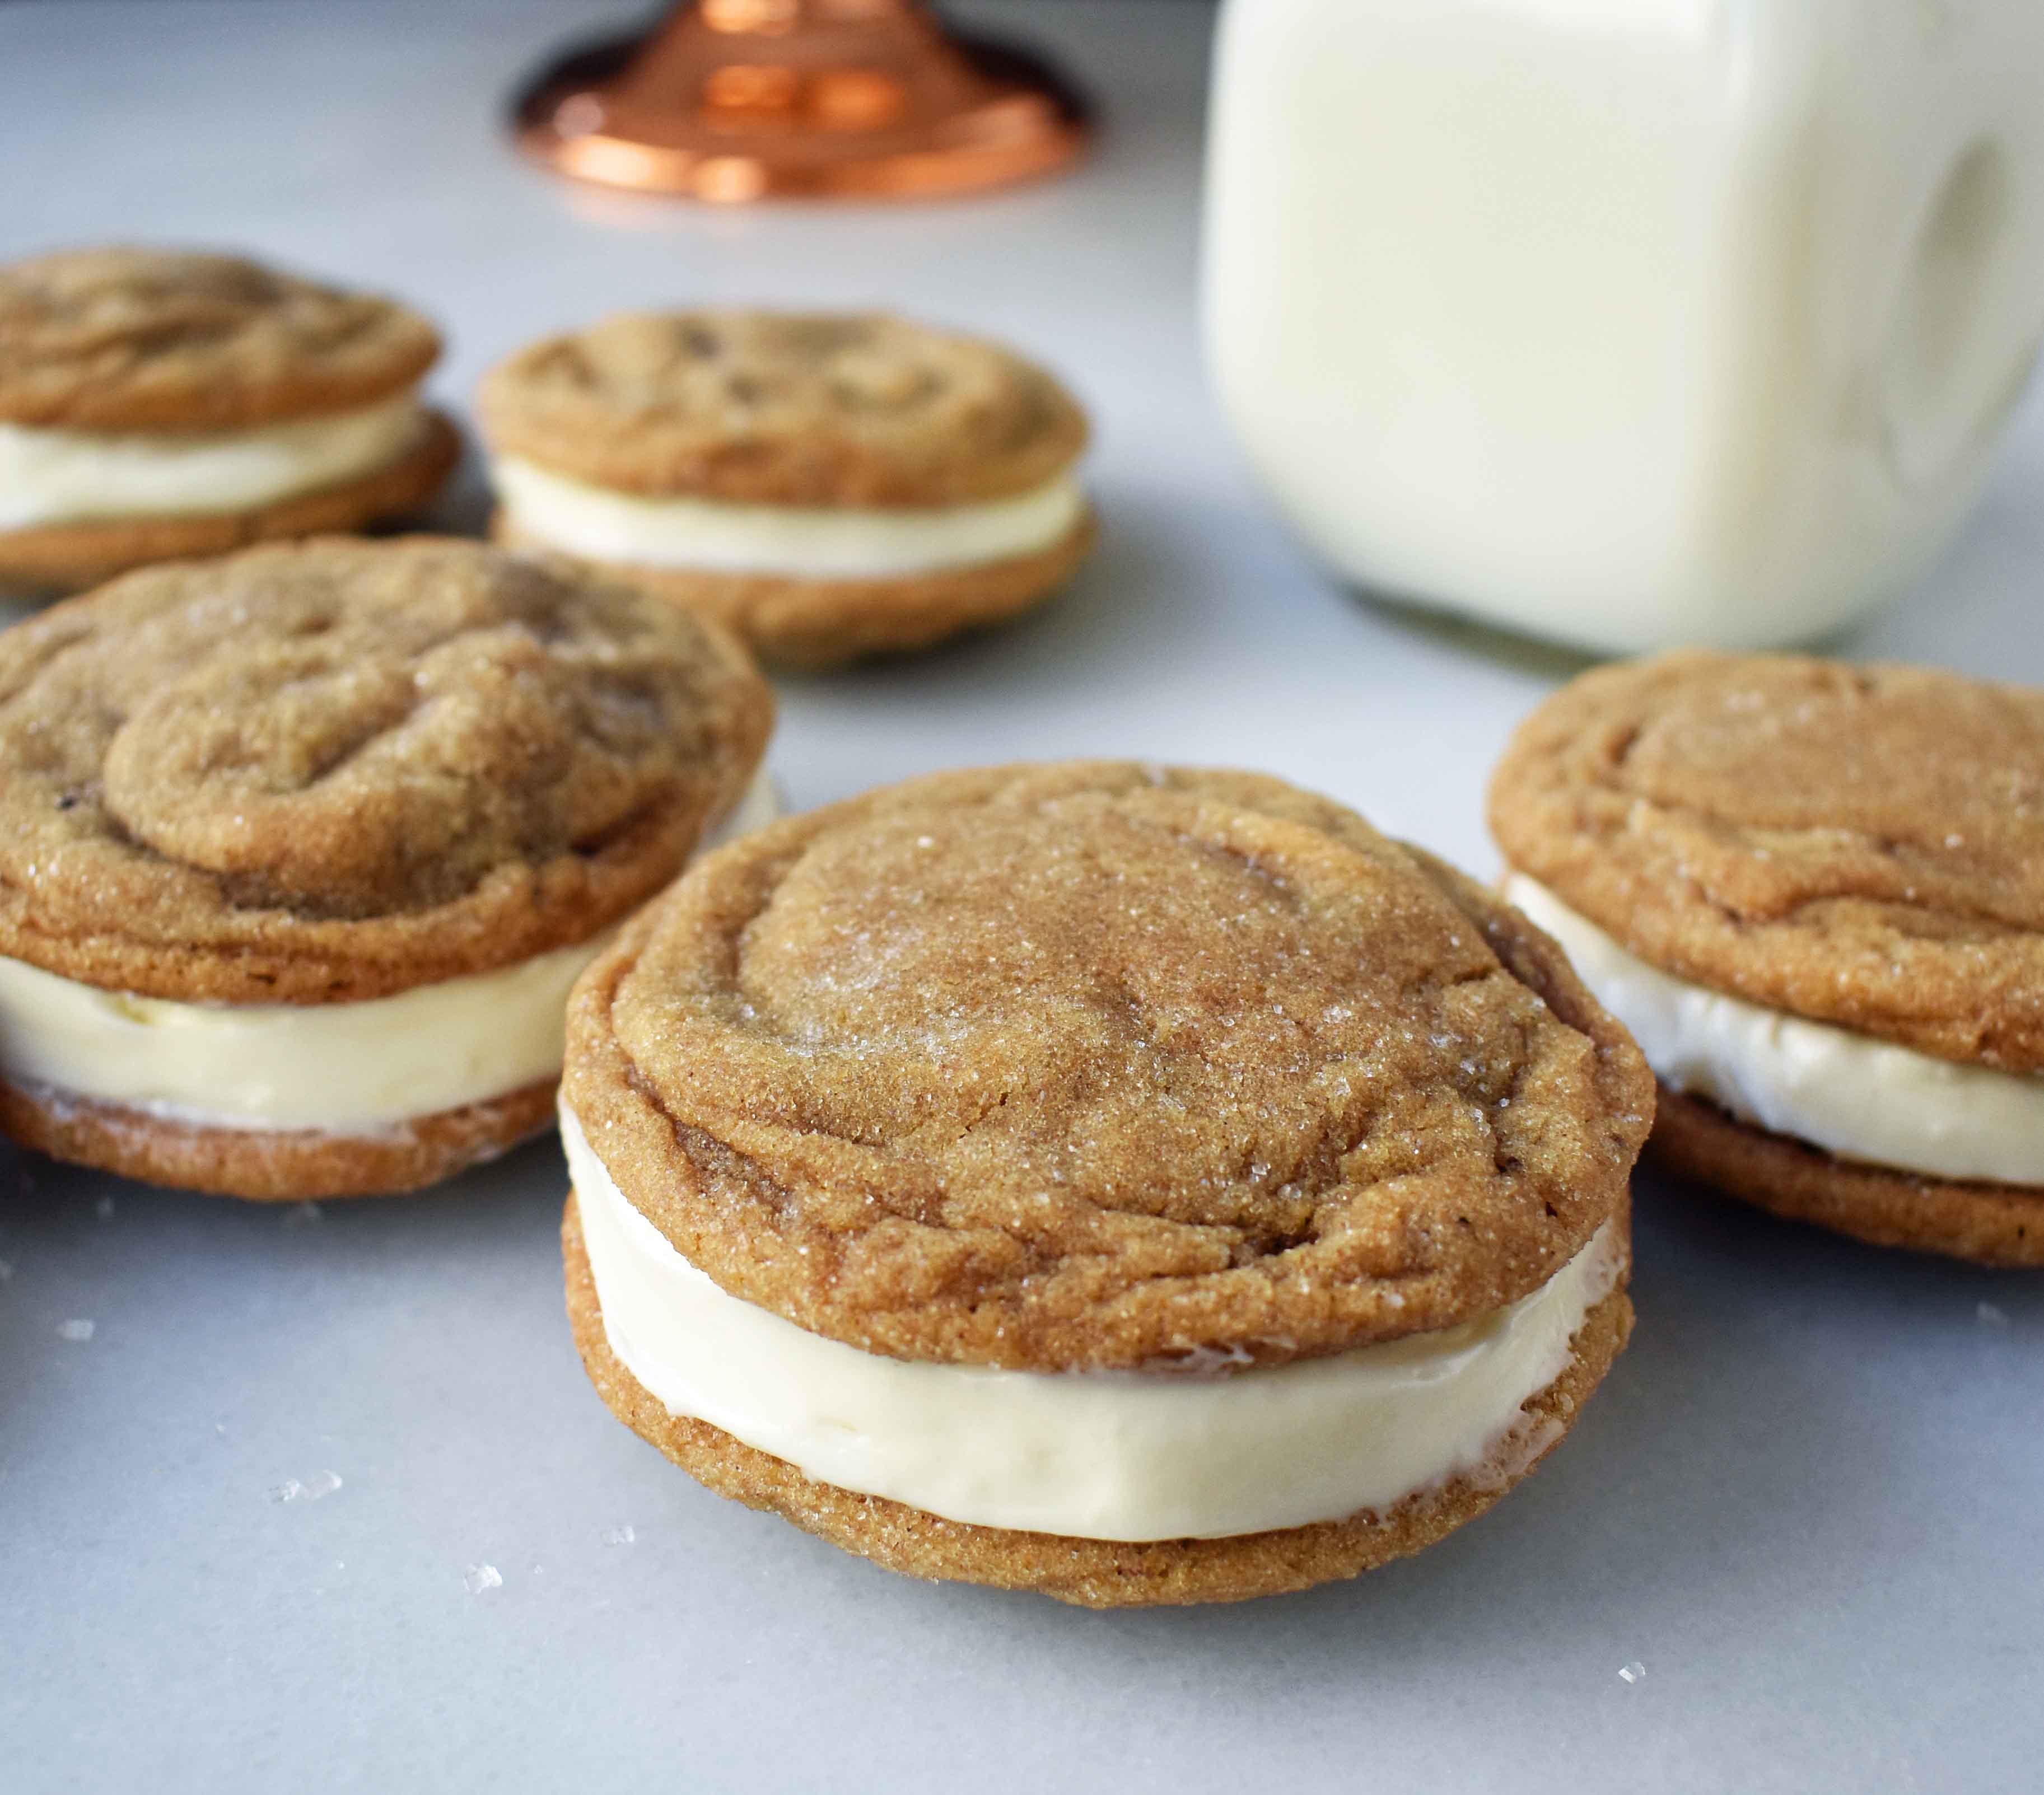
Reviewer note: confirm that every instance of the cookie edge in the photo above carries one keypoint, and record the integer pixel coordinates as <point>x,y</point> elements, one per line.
<point>1085,1572</point>
<point>273,1166</point>
<point>58,558</point>
<point>813,624</point>
<point>1987,1224</point>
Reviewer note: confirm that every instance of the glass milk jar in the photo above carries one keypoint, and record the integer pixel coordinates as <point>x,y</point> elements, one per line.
<point>1627,322</point>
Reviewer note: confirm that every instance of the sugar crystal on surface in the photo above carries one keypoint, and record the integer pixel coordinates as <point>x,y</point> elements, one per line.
<point>320,1483</point>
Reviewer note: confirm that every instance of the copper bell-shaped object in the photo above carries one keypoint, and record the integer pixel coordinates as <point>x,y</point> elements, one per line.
<point>736,100</point>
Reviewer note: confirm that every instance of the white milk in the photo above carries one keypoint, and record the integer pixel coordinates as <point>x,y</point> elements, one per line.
<point>1627,322</point>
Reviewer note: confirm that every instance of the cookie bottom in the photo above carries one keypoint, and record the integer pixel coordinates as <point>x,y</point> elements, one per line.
<point>1091,1572</point>
<point>815,623</point>
<point>1989,1224</point>
<point>64,557</point>
<point>286,1166</point>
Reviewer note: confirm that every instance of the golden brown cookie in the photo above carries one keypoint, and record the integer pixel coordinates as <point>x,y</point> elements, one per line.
<point>708,454</point>
<point>819,623</point>
<point>1100,1068</point>
<point>160,404</point>
<point>794,409</point>
<point>317,776</point>
<point>1860,848</point>
<point>129,339</point>
<point>1860,845</point>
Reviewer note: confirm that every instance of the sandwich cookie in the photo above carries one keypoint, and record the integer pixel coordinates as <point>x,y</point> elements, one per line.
<point>1134,1185</point>
<point>302,848</point>
<point>1814,893</point>
<point>157,404</point>
<point>826,485</point>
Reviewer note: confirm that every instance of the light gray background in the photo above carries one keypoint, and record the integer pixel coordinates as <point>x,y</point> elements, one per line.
<point>1808,1500</point>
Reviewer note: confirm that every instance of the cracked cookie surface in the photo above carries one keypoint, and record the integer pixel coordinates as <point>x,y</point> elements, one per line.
<point>757,407</point>
<point>1860,845</point>
<point>328,771</point>
<point>1098,1065</point>
<point>126,339</point>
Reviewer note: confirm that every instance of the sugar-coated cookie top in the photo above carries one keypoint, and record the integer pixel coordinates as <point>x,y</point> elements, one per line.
<point>1096,1065</point>
<point>1861,845</point>
<point>783,409</point>
<point>333,769</point>
<point>156,340</point>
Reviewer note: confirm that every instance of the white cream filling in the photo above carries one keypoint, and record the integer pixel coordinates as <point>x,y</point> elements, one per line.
<point>343,1068</point>
<point>1849,1093</point>
<point>58,476</point>
<point>813,542</point>
<point>1094,1455</point>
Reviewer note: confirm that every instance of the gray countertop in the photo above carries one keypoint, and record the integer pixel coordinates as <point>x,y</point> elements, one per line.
<point>1808,1501</point>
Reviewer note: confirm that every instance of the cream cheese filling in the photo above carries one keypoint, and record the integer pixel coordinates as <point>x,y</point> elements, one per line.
<point>60,476</point>
<point>1851,1094</point>
<point>1124,1455</point>
<point>805,542</point>
<point>362,1068</point>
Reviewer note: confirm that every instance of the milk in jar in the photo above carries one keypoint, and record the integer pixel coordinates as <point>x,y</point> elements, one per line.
<point>1627,322</point>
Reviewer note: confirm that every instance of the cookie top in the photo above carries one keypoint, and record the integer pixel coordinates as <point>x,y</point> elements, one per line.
<point>774,407</point>
<point>1860,845</point>
<point>157,339</point>
<point>335,769</point>
<point>1096,1065</point>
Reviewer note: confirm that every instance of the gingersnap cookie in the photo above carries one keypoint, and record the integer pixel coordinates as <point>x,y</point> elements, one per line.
<point>1814,893</point>
<point>1132,1184</point>
<point>828,485</point>
<point>302,848</point>
<point>160,404</point>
